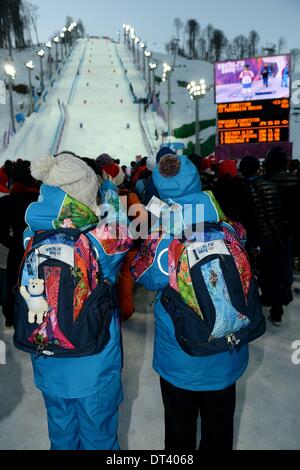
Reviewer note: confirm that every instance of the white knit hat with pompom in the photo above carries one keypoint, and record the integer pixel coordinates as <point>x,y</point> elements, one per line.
<point>151,162</point>
<point>70,174</point>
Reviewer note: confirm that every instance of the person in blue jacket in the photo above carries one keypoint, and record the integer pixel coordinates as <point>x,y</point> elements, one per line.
<point>265,73</point>
<point>285,76</point>
<point>150,189</point>
<point>189,385</point>
<point>82,395</point>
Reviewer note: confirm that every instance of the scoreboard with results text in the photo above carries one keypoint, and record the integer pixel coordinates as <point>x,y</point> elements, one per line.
<point>254,122</point>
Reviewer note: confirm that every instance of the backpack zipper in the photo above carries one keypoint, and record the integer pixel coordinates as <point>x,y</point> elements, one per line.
<point>48,353</point>
<point>39,350</point>
<point>232,341</point>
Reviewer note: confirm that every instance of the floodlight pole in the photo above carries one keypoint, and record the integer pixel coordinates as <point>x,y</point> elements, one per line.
<point>144,64</point>
<point>149,75</point>
<point>133,48</point>
<point>56,55</point>
<point>197,128</point>
<point>42,74</point>
<point>50,62</point>
<point>62,53</point>
<point>31,91</point>
<point>153,81</point>
<point>11,101</point>
<point>170,130</point>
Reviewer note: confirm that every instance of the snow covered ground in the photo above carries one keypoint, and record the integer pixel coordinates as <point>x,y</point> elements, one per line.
<point>101,106</point>
<point>22,102</point>
<point>20,57</point>
<point>101,116</point>
<point>150,120</point>
<point>185,71</point>
<point>37,134</point>
<point>268,406</point>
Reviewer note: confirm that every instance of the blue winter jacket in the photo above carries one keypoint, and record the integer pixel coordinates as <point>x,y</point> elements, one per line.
<point>83,376</point>
<point>210,373</point>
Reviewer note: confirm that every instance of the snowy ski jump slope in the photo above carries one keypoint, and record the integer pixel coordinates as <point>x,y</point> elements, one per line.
<point>98,98</point>
<point>38,132</point>
<point>107,111</point>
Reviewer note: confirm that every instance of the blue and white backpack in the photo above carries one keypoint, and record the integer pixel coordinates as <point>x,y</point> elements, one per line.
<point>212,296</point>
<point>64,306</point>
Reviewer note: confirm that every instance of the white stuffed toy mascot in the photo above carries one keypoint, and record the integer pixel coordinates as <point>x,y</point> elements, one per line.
<point>35,300</point>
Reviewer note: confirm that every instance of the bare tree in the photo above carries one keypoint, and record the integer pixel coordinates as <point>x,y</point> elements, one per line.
<point>178,25</point>
<point>80,28</point>
<point>230,52</point>
<point>17,22</point>
<point>5,25</point>
<point>295,53</point>
<point>219,42</point>
<point>254,39</point>
<point>27,25</point>
<point>192,28</point>
<point>281,45</point>
<point>32,12</point>
<point>269,49</point>
<point>11,25</point>
<point>241,46</point>
<point>202,42</point>
<point>69,20</point>
<point>171,46</point>
<point>208,33</point>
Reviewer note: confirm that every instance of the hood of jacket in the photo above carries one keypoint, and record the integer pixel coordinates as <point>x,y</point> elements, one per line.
<point>185,189</point>
<point>185,183</point>
<point>57,209</point>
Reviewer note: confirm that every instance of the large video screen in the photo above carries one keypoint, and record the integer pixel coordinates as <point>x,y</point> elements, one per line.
<point>259,78</point>
<point>254,122</point>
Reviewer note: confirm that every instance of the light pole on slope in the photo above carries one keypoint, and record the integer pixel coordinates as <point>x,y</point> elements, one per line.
<point>137,41</point>
<point>167,70</point>
<point>50,59</point>
<point>62,36</point>
<point>30,67</point>
<point>197,91</point>
<point>148,56</point>
<point>56,42</point>
<point>142,46</point>
<point>153,67</point>
<point>10,72</point>
<point>41,54</point>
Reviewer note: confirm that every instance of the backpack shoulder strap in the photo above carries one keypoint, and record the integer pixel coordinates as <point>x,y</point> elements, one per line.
<point>41,236</point>
<point>88,228</point>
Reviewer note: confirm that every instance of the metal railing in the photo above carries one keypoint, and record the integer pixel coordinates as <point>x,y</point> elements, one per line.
<point>131,90</point>
<point>77,75</point>
<point>54,148</point>
<point>5,140</point>
<point>150,148</point>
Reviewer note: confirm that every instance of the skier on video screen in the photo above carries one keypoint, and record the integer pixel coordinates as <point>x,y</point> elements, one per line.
<point>265,73</point>
<point>285,76</point>
<point>246,77</point>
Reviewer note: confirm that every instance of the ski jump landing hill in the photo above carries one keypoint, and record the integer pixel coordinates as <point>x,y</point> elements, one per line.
<point>89,110</point>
